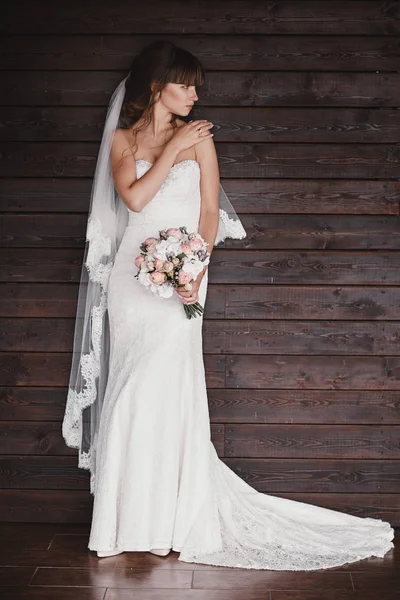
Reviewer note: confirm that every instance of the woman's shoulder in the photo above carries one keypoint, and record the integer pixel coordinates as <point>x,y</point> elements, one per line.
<point>119,142</point>
<point>119,136</point>
<point>122,133</point>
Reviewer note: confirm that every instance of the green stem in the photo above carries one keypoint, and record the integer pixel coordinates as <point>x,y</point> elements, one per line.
<point>192,310</point>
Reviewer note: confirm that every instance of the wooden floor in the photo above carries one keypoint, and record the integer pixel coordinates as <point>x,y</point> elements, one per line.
<point>52,561</point>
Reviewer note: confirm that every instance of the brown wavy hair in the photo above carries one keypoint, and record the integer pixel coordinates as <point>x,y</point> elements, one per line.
<point>161,62</point>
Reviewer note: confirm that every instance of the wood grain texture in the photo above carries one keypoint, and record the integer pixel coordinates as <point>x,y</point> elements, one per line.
<point>308,232</point>
<point>248,267</point>
<point>313,372</point>
<point>310,441</point>
<point>261,302</point>
<point>234,371</point>
<point>361,476</point>
<point>363,338</point>
<point>249,196</point>
<point>300,335</point>
<point>233,441</point>
<point>27,403</point>
<point>290,406</point>
<point>52,369</point>
<point>245,160</point>
<point>365,17</point>
<point>228,53</point>
<point>231,124</point>
<point>45,438</point>
<point>243,88</point>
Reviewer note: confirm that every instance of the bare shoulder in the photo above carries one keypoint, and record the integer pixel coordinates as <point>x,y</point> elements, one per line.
<point>120,140</point>
<point>121,152</point>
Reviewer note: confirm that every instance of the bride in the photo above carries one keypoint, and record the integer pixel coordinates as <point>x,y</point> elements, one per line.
<point>137,401</point>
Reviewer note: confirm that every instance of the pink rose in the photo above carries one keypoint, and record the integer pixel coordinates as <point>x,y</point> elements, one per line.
<point>150,243</point>
<point>195,244</point>
<point>186,249</point>
<point>176,232</point>
<point>157,277</point>
<point>184,277</point>
<point>139,260</point>
<point>150,240</point>
<point>159,264</point>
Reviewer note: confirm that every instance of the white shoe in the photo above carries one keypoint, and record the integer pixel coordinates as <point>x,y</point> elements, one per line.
<point>109,553</point>
<point>160,551</point>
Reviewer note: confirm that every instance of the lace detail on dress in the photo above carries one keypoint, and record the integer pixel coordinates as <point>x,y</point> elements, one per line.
<point>247,543</point>
<point>266,532</point>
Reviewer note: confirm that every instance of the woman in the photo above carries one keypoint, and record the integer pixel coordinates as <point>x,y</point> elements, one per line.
<point>137,404</point>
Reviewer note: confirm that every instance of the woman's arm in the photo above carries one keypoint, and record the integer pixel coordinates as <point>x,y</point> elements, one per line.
<point>206,156</point>
<point>136,193</point>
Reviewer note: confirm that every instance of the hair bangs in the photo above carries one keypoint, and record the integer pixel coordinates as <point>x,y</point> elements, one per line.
<point>186,69</point>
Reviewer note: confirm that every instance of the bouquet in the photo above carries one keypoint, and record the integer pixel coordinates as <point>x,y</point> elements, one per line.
<point>172,261</point>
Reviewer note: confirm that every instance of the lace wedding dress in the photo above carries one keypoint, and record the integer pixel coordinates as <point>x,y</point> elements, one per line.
<point>160,483</point>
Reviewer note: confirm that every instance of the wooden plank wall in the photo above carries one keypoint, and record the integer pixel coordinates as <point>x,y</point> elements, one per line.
<point>301,330</point>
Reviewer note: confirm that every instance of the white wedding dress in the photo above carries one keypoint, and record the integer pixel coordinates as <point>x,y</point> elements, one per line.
<point>160,483</point>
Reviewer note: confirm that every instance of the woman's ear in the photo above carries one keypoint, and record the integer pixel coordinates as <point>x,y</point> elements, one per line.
<point>152,86</point>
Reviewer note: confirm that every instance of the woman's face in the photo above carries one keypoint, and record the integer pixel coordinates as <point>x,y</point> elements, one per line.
<point>179,98</point>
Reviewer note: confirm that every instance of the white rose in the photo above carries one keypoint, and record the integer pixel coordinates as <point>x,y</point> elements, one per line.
<point>193,267</point>
<point>168,246</point>
<point>143,278</point>
<point>162,291</point>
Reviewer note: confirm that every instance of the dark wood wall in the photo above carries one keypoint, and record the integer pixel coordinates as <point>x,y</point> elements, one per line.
<point>301,330</point>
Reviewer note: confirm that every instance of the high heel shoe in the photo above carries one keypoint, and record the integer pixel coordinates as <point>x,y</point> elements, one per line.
<point>160,551</point>
<point>108,553</point>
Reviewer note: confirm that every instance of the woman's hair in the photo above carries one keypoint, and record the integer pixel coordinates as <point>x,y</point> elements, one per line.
<point>161,62</point>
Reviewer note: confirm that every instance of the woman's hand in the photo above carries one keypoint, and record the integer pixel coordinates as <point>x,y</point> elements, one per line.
<point>187,135</point>
<point>191,296</point>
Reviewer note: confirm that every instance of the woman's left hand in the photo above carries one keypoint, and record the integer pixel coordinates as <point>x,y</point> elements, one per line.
<point>191,296</point>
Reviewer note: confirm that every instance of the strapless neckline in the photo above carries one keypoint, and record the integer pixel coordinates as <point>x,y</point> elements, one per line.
<point>186,160</point>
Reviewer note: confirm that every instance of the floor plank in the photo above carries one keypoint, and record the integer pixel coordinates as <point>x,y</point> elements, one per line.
<point>47,561</point>
<point>50,593</point>
<point>112,577</point>
<point>272,580</point>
